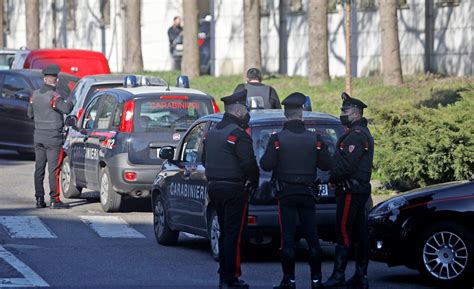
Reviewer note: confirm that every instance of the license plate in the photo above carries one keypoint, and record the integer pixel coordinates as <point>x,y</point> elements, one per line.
<point>323,190</point>
<point>158,153</point>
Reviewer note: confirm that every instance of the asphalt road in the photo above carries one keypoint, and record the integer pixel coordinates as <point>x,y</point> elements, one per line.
<point>85,248</point>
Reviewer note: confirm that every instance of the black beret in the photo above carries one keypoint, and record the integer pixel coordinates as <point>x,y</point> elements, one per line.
<point>294,100</point>
<point>348,101</point>
<point>239,97</point>
<point>52,69</point>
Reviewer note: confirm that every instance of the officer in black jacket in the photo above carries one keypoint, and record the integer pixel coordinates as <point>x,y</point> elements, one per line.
<point>230,165</point>
<point>351,177</point>
<point>47,108</point>
<point>294,154</point>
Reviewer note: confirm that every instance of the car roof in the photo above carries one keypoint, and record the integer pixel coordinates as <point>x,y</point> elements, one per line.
<point>263,116</point>
<point>118,78</point>
<point>140,90</point>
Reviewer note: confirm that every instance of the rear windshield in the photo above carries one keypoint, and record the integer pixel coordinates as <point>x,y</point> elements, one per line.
<point>169,113</point>
<point>329,134</point>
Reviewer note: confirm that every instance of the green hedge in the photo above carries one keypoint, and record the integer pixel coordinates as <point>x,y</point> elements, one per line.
<point>422,146</point>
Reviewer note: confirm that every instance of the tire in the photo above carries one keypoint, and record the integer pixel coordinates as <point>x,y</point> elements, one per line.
<point>214,233</point>
<point>109,199</point>
<point>445,253</point>
<point>67,180</point>
<point>163,233</point>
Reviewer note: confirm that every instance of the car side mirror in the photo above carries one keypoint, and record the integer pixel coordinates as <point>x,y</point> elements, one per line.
<point>71,120</point>
<point>23,95</point>
<point>167,153</point>
<point>307,105</point>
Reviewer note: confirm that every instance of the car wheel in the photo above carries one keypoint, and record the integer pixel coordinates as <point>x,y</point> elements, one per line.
<point>109,199</point>
<point>214,233</point>
<point>67,180</point>
<point>163,233</point>
<point>445,253</point>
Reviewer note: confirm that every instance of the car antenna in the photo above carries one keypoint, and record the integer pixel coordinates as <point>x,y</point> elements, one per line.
<point>169,79</point>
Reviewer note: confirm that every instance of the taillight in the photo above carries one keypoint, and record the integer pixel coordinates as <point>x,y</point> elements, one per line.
<point>200,42</point>
<point>129,176</point>
<point>80,113</point>
<point>126,123</point>
<point>215,106</point>
<point>251,220</point>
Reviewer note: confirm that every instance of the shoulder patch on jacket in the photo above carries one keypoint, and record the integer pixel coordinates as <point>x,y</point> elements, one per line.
<point>231,139</point>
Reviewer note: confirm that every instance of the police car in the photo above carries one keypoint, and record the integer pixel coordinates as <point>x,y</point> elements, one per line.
<point>180,197</point>
<point>114,146</point>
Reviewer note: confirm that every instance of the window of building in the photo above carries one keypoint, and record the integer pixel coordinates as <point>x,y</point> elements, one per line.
<point>105,11</point>
<point>264,8</point>
<point>333,5</point>
<point>403,4</point>
<point>447,3</point>
<point>365,5</point>
<point>296,6</point>
<point>71,14</point>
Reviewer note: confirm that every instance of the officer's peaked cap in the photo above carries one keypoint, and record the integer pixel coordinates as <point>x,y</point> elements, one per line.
<point>348,101</point>
<point>239,97</point>
<point>52,69</point>
<point>294,100</point>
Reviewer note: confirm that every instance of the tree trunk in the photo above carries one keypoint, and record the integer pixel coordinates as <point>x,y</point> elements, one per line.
<point>32,24</point>
<point>2,18</point>
<point>252,53</point>
<point>318,61</point>
<point>348,47</point>
<point>133,39</point>
<point>391,64</point>
<point>190,61</point>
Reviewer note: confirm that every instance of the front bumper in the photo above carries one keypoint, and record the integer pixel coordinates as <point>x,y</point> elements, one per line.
<point>145,176</point>
<point>386,242</point>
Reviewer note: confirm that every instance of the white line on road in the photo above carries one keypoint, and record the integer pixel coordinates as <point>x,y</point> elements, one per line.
<point>31,279</point>
<point>111,227</point>
<point>26,227</point>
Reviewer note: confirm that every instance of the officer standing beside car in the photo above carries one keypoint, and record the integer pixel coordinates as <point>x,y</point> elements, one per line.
<point>351,178</point>
<point>47,108</point>
<point>231,166</point>
<point>294,154</point>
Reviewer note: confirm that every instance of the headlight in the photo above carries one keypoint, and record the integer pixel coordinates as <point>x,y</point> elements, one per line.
<point>388,206</point>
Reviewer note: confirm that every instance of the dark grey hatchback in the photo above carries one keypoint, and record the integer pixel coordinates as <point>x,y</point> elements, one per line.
<point>179,193</point>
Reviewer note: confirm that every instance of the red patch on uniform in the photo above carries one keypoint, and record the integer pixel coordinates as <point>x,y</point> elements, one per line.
<point>351,148</point>
<point>318,145</point>
<point>231,139</point>
<point>277,145</point>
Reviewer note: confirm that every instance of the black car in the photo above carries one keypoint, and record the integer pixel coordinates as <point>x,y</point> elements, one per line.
<point>113,147</point>
<point>88,85</point>
<point>429,229</point>
<point>17,86</point>
<point>179,193</point>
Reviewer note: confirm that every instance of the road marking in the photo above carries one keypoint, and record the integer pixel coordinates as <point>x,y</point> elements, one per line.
<point>26,227</point>
<point>31,279</point>
<point>111,227</point>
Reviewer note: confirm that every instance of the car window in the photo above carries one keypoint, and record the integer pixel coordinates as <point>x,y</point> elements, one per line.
<point>169,113</point>
<point>13,84</point>
<point>192,144</point>
<point>98,87</point>
<point>90,115</point>
<point>329,134</point>
<point>106,112</point>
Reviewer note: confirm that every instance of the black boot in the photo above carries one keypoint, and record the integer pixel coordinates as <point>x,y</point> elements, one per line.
<point>338,277</point>
<point>40,202</point>
<point>286,283</point>
<point>236,283</point>
<point>57,204</point>
<point>360,280</point>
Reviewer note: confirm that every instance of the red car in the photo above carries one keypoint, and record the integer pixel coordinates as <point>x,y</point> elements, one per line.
<point>72,61</point>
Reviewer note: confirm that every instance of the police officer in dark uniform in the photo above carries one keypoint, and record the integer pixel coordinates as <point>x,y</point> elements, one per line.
<point>47,108</point>
<point>351,177</point>
<point>259,95</point>
<point>294,154</point>
<point>230,167</point>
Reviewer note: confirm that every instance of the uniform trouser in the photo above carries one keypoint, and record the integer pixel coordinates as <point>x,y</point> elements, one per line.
<point>351,222</point>
<point>230,202</point>
<point>51,154</point>
<point>291,208</point>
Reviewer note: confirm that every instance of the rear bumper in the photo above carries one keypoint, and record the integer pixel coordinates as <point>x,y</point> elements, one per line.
<point>145,175</point>
<point>267,222</point>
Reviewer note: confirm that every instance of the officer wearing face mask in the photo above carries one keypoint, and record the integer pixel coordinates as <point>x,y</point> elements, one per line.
<point>230,168</point>
<point>351,178</point>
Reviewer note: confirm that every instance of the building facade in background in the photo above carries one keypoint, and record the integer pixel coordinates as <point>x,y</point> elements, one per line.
<point>435,35</point>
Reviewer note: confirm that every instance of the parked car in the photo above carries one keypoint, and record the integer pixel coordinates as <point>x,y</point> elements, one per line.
<point>179,193</point>
<point>113,147</point>
<point>429,229</point>
<point>88,85</point>
<point>73,61</point>
<point>17,86</point>
<point>6,58</point>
